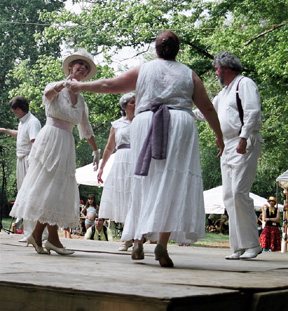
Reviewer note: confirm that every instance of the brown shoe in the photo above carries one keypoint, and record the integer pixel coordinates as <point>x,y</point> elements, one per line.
<point>162,256</point>
<point>138,252</point>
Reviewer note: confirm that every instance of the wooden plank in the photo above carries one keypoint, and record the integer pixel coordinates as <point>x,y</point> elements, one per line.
<point>98,275</point>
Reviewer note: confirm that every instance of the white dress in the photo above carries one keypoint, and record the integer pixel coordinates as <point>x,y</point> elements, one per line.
<point>170,198</point>
<point>49,192</point>
<point>117,188</point>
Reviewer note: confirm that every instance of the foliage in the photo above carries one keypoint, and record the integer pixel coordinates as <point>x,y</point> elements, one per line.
<point>19,24</point>
<point>254,31</point>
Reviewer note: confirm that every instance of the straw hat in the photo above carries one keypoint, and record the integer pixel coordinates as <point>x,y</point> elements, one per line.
<point>272,199</point>
<point>83,55</point>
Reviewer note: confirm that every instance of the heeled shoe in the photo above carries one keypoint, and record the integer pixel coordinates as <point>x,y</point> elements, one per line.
<point>162,256</point>
<point>137,252</point>
<point>38,249</point>
<point>61,251</point>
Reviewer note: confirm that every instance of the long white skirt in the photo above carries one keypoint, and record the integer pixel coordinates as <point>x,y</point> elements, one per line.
<point>115,197</point>
<point>49,191</point>
<point>170,198</point>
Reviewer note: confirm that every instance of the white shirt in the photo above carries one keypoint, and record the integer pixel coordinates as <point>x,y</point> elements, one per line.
<point>122,131</point>
<point>28,128</point>
<point>226,106</point>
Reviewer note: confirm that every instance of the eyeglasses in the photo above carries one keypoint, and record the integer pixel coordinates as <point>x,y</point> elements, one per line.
<point>99,237</point>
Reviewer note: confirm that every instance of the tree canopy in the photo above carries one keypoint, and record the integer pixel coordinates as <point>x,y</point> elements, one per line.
<point>255,31</point>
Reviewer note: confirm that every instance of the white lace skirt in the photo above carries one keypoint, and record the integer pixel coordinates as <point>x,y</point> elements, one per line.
<point>170,198</point>
<point>49,191</point>
<point>115,197</point>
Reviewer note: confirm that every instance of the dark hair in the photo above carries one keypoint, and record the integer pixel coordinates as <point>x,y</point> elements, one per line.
<point>167,45</point>
<point>19,102</point>
<point>226,59</point>
<point>91,196</point>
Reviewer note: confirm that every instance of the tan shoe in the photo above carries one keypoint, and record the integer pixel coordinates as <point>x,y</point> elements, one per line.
<point>125,245</point>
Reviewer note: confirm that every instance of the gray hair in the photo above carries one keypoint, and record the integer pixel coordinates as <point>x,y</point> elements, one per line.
<point>226,59</point>
<point>125,99</point>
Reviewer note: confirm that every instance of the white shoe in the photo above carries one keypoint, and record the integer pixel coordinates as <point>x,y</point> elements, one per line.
<point>125,245</point>
<point>251,252</point>
<point>23,239</point>
<point>235,256</point>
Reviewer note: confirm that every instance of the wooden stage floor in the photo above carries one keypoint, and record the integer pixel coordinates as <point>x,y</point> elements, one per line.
<point>99,277</point>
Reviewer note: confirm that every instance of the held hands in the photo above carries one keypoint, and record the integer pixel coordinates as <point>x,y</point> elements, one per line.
<point>96,158</point>
<point>65,83</point>
<point>74,86</point>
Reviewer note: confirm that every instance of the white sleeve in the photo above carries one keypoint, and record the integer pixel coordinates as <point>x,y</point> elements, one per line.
<point>84,127</point>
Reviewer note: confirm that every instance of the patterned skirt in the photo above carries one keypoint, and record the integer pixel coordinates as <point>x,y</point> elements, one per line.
<point>270,239</point>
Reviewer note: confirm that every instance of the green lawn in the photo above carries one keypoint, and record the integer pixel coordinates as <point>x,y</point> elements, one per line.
<point>214,240</point>
<point>6,222</point>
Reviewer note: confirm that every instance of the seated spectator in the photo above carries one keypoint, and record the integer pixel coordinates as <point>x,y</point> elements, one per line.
<point>98,231</point>
<point>222,224</point>
<point>211,223</point>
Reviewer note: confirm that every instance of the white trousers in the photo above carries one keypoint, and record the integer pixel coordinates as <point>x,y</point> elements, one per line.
<point>238,174</point>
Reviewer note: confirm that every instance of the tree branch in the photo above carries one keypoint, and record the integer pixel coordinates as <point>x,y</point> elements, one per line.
<point>265,32</point>
<point>200,50</point>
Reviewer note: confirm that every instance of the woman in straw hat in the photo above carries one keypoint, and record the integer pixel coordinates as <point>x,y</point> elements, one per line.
<point>270,236</point>
<point>49,194</point>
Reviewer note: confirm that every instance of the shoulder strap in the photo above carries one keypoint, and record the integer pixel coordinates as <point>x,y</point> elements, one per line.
<point>239,105</point>
<point>93,232</point>
<point>105,232</point>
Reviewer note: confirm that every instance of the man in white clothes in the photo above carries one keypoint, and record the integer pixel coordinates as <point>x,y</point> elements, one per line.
<point>242,149</point>
<point>28,128</point>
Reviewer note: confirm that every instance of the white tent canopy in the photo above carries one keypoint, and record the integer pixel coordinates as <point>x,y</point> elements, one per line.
<point>283,180</point>
<point>214,203</point>
<point>86,175</point>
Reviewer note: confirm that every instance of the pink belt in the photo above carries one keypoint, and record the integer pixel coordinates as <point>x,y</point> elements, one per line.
<point>64,125</point>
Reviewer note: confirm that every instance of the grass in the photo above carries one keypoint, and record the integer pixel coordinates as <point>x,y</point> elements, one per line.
<point>211,240</point>
<point>214,240</point>
<point>6,222</point>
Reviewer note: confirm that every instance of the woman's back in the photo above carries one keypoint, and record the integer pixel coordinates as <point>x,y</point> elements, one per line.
<point>169,82</point>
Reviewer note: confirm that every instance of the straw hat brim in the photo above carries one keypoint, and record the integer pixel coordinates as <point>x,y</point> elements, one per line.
<point>76,56</point>
<point>272,199</point>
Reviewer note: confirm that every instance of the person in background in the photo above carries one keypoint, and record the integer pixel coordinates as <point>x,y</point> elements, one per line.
<point>115,197</point>
<point>285,226</point>
<point>260,219</point>
<point>270,239</point>
<point>98,231</point>
<point>49,193</point>
<point>167,191</point>
<point>243,143</point>
<point>89,211</point>
<point>67,233</point>
<point>28,128</point>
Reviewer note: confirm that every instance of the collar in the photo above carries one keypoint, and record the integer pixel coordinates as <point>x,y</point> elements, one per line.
<point>24,118</point>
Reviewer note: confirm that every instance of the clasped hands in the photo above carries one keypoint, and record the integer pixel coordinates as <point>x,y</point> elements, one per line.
<point>72,84</point>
